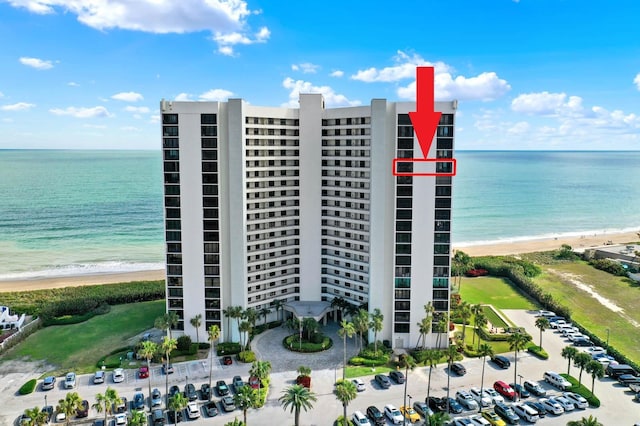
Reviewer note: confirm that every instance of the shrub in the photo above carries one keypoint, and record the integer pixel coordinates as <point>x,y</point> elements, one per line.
<point>262,393</point>
<point>582,390</point>
<point>184,343</point>
<point>28,387</point>
<point>538,351</point>
<point>228,348</point>
<point>609,266</point>
<point>204,345</point>
<point>246,356</point>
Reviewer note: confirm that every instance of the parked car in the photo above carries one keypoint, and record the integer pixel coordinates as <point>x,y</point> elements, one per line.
<point>482,398</point>
<point>501,361</point>
<point>526,413</point>
<point>422,409</point>
<point>167,369</point>
<point>138,401</point>
<point>520,390</point>
<point>436,404</point>
<point>462,422</point>
<point>237,383</point>
<point>542,412</point>
<point>122,406</point>
<point>495,396</point>
<point>359,384</point>
<point>493,418</point>
<point>458,368</point>
<point>193,412</point>
<point>466,400</point>
<point>551,406</point>
<point>118,375</point>
<point>70,380</point>
<point>393,414</point>
<point>226,360</point>
<point>578,400</point>
<point>157,417</point>
<point>98,377</point>
<point>582,342</point>
<point>48,409</point>
<point>83,411</point>
<point>156,397</point>
<point>174,416</point>
<point>410,414</point>
<point>190,392</point>
<point>478,420</point>
<point>454,406</point>
<point>382,380</point>
<point>221,388</point>
<point>48,383</point>
<point>594,350</point>
<point>205,391</point>
<point>566,404</point>
<point>211,408</point>
<point>121,419</point>
<point>534,388</point>
<point>359,419</point>
<point>397,376</point>
<point>254,382</point>
<point>556,380</point>
<point>504,389</point>
<point>376,416</point>
<point>227,404</point>
<point>507,413</point>
<point>173,390</point>
<point>143,372</point>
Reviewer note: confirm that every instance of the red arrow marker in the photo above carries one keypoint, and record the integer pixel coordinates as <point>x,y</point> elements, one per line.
<point>425,120</point>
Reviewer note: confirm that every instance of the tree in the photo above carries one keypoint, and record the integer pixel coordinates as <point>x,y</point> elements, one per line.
<point>376,324</point>
<point>451,353</point>
<point>461,262</point>
<point>568,353</point>
<point>480,320</point>
<point>581,360</point>
<point>346,330</point>
<point>246,397</point>
<point>178,402</point>
<point>484,350</point>
<point>226,312</point>
<point>346,392</point>
<point>36,417</point>
<point>585,421</point>
<point>235,312</point>
<point>244,328</point>
<point>464,310</point>
<point>69,405</point>
<point>310,326</point>
<point>167,322</point>
<point>443,327</point>
<point>196,322</point>
<point>138,418</point>
<point>168,345</point>
<point>431,358</point>
<point>263,312</point>
<point>214,334</point>
<point>517,342</point>
<point>105,402</point>
<point>439,419</point>
<point>147,351</point>
<point>361,324</point>
<point>596,370</point>
<point>297,397</point>
<point>407,362</point>
<point>478,313</point>
<point>260,369</point>
<point>278,305</point>
<point>542,323</point>
<point>340,304</point>
<point>251,315</point>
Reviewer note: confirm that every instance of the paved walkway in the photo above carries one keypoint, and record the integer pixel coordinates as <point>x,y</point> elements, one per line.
<point>268,346</point>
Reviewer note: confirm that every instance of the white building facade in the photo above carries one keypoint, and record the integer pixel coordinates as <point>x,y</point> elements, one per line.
<point>301,205</point>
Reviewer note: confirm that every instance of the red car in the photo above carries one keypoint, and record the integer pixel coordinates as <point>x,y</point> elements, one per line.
<point>254,382</point>
<point>226,360</point>
<point>505,390</point>
<point>143,372</point>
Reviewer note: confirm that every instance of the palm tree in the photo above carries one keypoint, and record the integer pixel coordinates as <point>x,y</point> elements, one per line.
<point>361,323</point>
<point>310,326</point>
<point>227,314</point>
<point>346,330</point>
<point>263,312</point>
<point>461,261</point>
<point>167,322</point>
<point>278,304</point>
<point>581,360</point>
<point>484,350</point>
<point>105,402</point>
<point>260,369</point>
<point>596,370</point>
<point>376,324</point>
<point>138,418</point>
<point>69,405</point>
<point>168,345</point>
<point>480,321</point>
<point>439,419</point>
<point>235,312</point>
<point>443,327</point>
<point>246,397</point>
<point>297,397</point>
<point>569,353</point>
<point>542,323</point>
<point>517,342</point>
<point>585,421</point>
<point>464,310</point>
<point>251,315</point>
<point>196,322</point>
<point>451,353</point>
<point>407,362</point>
<point>476,310</point>
<point>346,392</point>
<point>147,351</point>
<point>244,328</point>
<point>431,358</point>
<point>178,402</point>
<point>36,417</point>
<point>214,335</point>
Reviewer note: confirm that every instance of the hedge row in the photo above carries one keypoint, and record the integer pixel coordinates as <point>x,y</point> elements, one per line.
<point>75,319</point>
<point>582,390</point>
<point>609,266</point>
<point>538,351</point>
<point>28,387</point>
<point>228,348</point>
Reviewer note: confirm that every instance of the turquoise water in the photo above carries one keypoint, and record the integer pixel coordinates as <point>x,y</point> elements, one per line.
<point>74,212</point>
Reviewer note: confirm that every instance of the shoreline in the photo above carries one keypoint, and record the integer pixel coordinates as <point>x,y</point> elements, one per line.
<point>497,248</point>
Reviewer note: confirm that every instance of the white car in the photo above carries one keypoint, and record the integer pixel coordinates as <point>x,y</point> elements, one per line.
<point>551,405</point>
<point>462,422</point>
<point>98,377</point>
<point>60,417</point>
<point>485,400</point>
<point>566,403</point>
<point>594,350</point>
<point>121,419</point>
<point>118,375</point>
<point>578,400</point>
<point>393,414</point>
<point>466,400</point>
<point>360,419</point>
<point>495,396</point>
<point>359,384</point>
<point>575,336</point>
<point>192,410</point>
<point>479,420</point>
<point>70,381</point>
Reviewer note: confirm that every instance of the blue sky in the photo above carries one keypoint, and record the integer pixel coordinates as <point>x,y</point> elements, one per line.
<point>528,74</point>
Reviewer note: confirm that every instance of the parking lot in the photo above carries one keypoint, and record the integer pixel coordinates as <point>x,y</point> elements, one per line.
<point>617,406</point>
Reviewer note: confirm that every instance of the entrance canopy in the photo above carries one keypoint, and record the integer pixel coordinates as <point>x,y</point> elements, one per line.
<point>303,309</point>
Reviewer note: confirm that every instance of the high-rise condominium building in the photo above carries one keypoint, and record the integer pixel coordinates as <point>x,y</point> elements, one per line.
<point>301,205</point>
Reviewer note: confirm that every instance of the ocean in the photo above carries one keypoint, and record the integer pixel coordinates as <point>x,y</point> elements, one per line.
<point>86,212</point>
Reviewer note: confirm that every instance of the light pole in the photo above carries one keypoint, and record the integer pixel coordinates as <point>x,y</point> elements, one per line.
<point>520,387</point>
<point>300,337</point>
<point>607,339</point>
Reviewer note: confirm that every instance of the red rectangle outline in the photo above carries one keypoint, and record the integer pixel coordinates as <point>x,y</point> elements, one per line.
<point>423,160</point>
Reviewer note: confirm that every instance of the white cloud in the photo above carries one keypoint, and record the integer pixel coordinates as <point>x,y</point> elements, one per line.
<point>128,96</point>
<point>405,68</point>
<point>130,129</point>
<point>521,127</point>
<point>225,50</point>
<point>137,110</point>
<point>331,98</point>
<point>36,63</point>
<point>20,106</point>
<point>154,119</point>
<point>544,103</point>
<point>306,68</point>
<point>226,41</point>
<point>94,112</point>
<point>1,95</point>
<point>94,126</point>
<point>216,95</point>
<point>73,84</point>
<point>183,97</point>
<point>337,73</point>
<point>637,81</point>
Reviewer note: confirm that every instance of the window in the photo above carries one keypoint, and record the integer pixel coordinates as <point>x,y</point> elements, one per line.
<point>208,119</point>
<point>401,328</point>
<point>169,118</point>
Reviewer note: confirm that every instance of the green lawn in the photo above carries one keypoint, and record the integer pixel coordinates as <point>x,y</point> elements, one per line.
<point>80,346</point>
<point>589,312</point>
<point>493,317</point>
<point>498,292</point>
